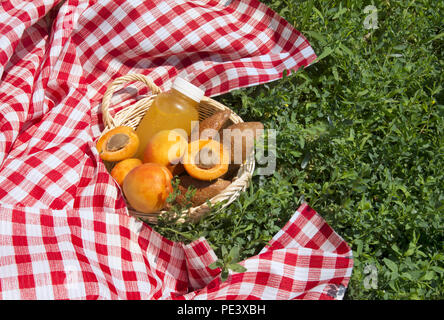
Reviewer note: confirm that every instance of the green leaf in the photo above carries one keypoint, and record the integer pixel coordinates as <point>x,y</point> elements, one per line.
<point>295,153</point>
<point>359,245</point>
<point>340,12</point>
<point>438,36</point>
<point>327,51</point>
<point>410,250</point>
<point>416,274</point>
<point>407,276</point>
<point>437,269</point>
<point>429,275</point>
<point>234,253</point>
<point>316,35</point>
<point>346,50</point>
<point>391,265</point>
<point>319,14</point>
<point>215,265</point>
<point>362,92</point>
<point>334,70</point>
<point>224,251</point>
<point>237,267</point>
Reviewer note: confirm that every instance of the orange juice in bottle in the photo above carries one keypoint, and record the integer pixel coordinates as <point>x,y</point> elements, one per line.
<point>174,109</point>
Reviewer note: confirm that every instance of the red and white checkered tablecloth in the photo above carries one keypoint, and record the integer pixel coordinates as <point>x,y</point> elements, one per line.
<point>64,228</point>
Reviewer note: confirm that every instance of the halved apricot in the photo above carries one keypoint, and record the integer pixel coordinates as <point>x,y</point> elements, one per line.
<point>206,160</point>
<point>118,144</point>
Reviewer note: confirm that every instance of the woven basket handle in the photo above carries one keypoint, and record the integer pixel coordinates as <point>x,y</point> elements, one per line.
<point>106,100</point>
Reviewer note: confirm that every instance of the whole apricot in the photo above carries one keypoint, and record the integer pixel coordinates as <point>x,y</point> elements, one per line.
<point>147,186</point>
<point>122,168</point>
<point>167,148</point>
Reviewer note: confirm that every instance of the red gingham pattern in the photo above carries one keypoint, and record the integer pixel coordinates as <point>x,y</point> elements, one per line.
<point>305,260</point>
<point>64,228</point>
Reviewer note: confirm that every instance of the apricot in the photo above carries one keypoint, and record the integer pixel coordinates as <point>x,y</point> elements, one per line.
<point>122,168</point>
<point>118,144</point>
<point>147,186</point>
<point>167,148</point>
<point>206,160</point>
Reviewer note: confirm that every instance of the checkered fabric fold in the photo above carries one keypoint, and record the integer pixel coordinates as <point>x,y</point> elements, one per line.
<point>65,232</point>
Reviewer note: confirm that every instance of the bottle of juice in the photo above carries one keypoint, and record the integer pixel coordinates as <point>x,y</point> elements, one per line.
<point>174,109</point>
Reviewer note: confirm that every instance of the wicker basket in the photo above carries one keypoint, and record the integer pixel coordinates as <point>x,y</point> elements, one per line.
<point>131,116</point>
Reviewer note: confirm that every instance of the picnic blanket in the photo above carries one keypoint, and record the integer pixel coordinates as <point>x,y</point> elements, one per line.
<point>65,232</point>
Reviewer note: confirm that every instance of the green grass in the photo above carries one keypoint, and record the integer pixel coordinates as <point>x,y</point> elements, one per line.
<point>360,138</point>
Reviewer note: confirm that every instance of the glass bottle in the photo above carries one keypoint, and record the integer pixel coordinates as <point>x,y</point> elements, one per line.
<point>174,109</point>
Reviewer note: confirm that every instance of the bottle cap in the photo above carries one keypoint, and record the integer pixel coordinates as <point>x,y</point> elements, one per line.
<point>188,89</point>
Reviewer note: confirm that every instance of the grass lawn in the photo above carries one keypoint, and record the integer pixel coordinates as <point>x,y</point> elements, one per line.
<point>360,138</point>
